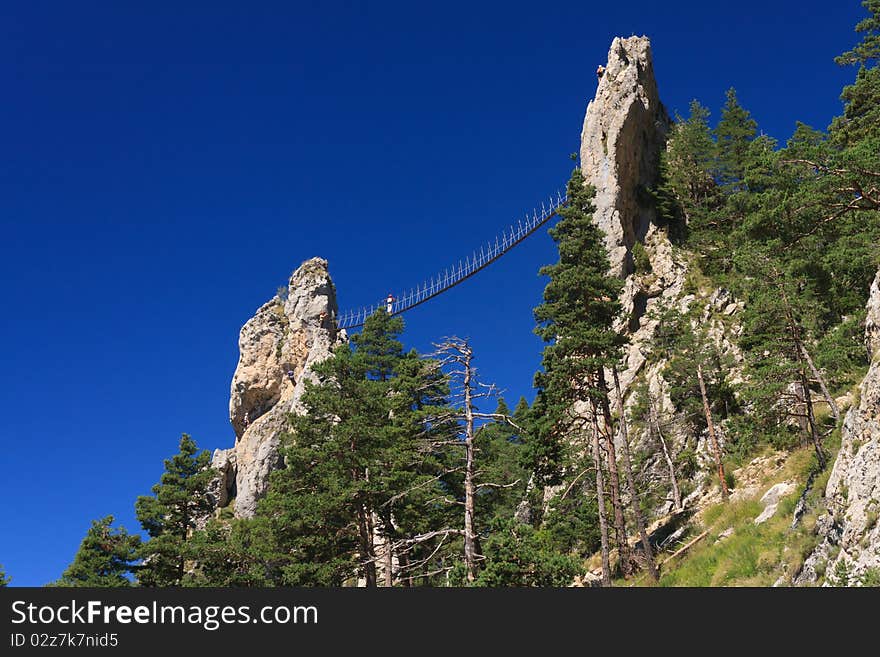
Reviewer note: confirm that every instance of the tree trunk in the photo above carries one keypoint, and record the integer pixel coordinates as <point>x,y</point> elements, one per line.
<point>388,556</point>
<point>715,448</point>
<point>470,552</point>
<point>673,480</point>
<point>406,577</point>
<point>366,541</point>
<point>811,420</point>
<point>600,500</point>
<point>630,482</point>
<point>614,480</point>
<point>835,411</point>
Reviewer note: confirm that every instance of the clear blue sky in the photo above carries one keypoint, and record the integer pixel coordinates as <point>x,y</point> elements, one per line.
<point>164,166</point>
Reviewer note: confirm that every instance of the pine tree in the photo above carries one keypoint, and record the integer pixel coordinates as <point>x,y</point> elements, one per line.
<point>688,194</point>
<point>698,387</point>
<point>232,552</point>
<point>519,555</point>
<point>359,462</point>
<point>169,515</point>
<point>576,319</point>
<point>499,447</point>
<point>868,50</point>
<point>106,557</point>
<point>779,317</point>
<point>733,134</point>
<point>4,578</point>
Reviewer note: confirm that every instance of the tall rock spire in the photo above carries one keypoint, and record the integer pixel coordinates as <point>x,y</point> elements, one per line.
<point>624,132</point>
<point>277,346</point>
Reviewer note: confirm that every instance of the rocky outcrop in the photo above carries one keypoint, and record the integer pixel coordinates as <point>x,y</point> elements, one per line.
<point>771,500</point>
<point>277,346</point>
<point>872,321</point>
<point>624,131</point>
<point>850,531</point>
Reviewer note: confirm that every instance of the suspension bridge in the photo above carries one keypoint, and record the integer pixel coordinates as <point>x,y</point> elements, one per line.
<point>460,271</point>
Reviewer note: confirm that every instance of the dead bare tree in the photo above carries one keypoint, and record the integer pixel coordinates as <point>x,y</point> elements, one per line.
<point>654,426</point>
<point>600,500</point>
<point>716,449</point>
<point>457,355</point>
<point>817,375</point>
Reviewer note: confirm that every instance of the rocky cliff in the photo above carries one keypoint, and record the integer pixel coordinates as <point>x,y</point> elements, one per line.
<point>849,531</point>
<point>277,346</point>
<point>624,131</point>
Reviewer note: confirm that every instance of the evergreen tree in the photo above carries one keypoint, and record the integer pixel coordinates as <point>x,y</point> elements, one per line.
<point>695,372</point>
<point>359,463</point>
<point>779,318</point>
<point>232,552</point>
<point>105,557</point>
<point>688,196</point>
<point>169,516</point>
<point>499,447</point>
<point>4,578</point>
<point>518,555</point>
<point>576,319</point>
<point>734,132</point>
<point>868,50</point>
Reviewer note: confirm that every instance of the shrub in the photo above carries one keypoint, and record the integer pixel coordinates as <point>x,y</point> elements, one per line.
<point>641,260</point>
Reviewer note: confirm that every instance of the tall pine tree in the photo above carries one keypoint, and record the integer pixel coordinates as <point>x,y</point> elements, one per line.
<point>169,515</point>
<point>576,320</point>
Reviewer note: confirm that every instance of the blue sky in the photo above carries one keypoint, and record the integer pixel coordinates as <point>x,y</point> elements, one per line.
<point>164,167</point>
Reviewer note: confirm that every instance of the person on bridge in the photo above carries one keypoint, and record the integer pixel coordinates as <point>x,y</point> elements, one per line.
<point>389,303</point>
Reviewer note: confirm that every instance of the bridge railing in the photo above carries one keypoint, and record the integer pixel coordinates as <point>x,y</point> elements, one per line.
<point>460,270</point>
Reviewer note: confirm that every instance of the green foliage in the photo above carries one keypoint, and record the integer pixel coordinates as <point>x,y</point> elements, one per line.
<point>868,49</point>
<point>841,354</point>
<point>641,259</point>
<point>359,460</point>
<point>499,454</point>
<point>170,514</point>
<point>519,555</point>
<point>842,575</point>
<point>231,553</point>
<point>733,135</point>
<point>4,578</point>
<point>571,523</point>
<point>870,578</point>
<point>106,557</point>
<point>581,302</point>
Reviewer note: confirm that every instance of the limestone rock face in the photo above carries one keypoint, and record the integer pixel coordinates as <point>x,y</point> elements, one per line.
<point>872,322</point>
<point>853,491</point>
<point>277,346</point>
<point>624,131</point>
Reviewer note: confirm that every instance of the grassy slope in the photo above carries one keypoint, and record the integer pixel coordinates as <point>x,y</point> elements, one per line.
<point>753,555</point>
